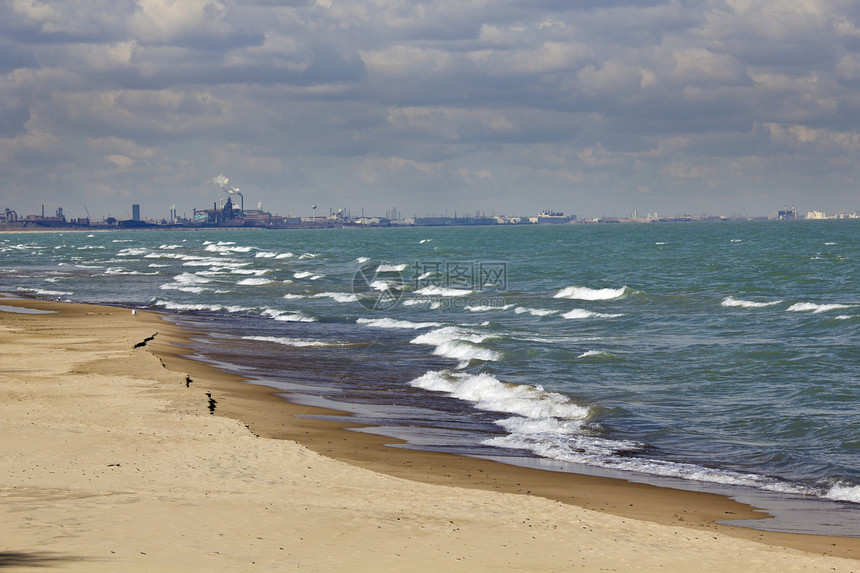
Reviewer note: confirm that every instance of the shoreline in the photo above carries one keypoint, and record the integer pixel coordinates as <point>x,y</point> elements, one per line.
<point>265,413</point>
<point>269,413</point>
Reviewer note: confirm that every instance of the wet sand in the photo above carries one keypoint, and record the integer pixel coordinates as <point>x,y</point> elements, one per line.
<point>112,459</point>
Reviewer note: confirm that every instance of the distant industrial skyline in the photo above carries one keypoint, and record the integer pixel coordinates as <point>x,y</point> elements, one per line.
<point>232,214</point>
<point>596,108</point>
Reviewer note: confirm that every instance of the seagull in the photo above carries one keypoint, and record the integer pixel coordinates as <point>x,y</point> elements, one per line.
<point>134,312</point>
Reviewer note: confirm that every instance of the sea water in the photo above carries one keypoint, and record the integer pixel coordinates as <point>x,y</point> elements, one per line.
<point>712,355</point>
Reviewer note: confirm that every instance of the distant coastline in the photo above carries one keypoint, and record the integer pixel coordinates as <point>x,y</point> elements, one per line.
<point>35,223</point>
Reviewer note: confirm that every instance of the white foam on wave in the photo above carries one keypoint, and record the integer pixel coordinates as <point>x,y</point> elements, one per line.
<point>816,308</point>
<point>434,290</point>
<point>338,296</point>
<point>133,252</point>
<point>166,256</point>
<point>122,271</point>
<point>552,438</point>
<point>309,256</point>
<point>287,316</point>
<point>534,311</point>
<point>297,342</point>
<point>385,268</point>
<point>187,282</point>
<point>395,323</point>
<point>45,292</point>
<point>457,343</point>
<point>180,288</point>
<point>844,492</point>
<point>170,305</point>
<point>487,307</point>
<point>190,278</point>
<point>255,282</point>
<point>226,248</point>
<point>465,352</point>
<point>195,261</point>
<point>273,255</point>
<point>579,313</point>
<point>596,354</point>
<point>426,302</point>
<point>303,274</point>
<point>731,301</point>
<point>385,286</point>
<point>294,317</point>
<point>586,293</point>
<point>564,444</point>
<point>488,393</point>
<point>362,260</point>
<point>448,333</point>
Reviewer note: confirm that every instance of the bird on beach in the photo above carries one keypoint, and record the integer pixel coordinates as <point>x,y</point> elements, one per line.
<point>134,312</point>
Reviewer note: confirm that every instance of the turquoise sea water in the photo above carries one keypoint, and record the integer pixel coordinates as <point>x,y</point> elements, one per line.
<point>713,354</point>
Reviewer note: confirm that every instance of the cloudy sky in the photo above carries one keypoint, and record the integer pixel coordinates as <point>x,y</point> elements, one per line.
<point>593,107</point>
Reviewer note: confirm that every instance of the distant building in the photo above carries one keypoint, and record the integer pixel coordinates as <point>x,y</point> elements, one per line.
<point>787,214</point>
<point>9,216</point>
<point>454,221</point>
<point>553,218</point>
<point>135,212</point>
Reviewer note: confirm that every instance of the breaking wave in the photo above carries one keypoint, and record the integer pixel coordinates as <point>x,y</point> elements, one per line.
<point>385,268</point>
<point>816,308</point>
<point>457,343</point>
<point>394,323</point>
<point>338,296</point>
<point>486,392</point>
<point>434,290</point>
<point>585,293</point>
<point>255,282</point>
<point>297,342</point>
<point>534,311</point>
<point>582,313</point>
<point>596,354</point>
<point>731,301</point>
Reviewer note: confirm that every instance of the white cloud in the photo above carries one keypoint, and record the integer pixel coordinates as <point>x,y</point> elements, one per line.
<point>120,160</point>
<point>392,100</point>
<point>171,21</point>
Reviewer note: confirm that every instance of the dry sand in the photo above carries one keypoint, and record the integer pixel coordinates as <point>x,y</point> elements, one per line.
<point>112,461</point>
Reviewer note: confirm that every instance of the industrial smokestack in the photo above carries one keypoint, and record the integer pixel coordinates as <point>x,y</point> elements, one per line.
<point>224,183</point>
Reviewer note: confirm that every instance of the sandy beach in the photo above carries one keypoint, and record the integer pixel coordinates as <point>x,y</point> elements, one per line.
<point>112,460</point>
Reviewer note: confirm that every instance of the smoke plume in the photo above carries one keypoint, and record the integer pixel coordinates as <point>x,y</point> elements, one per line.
<point>224,183</point>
